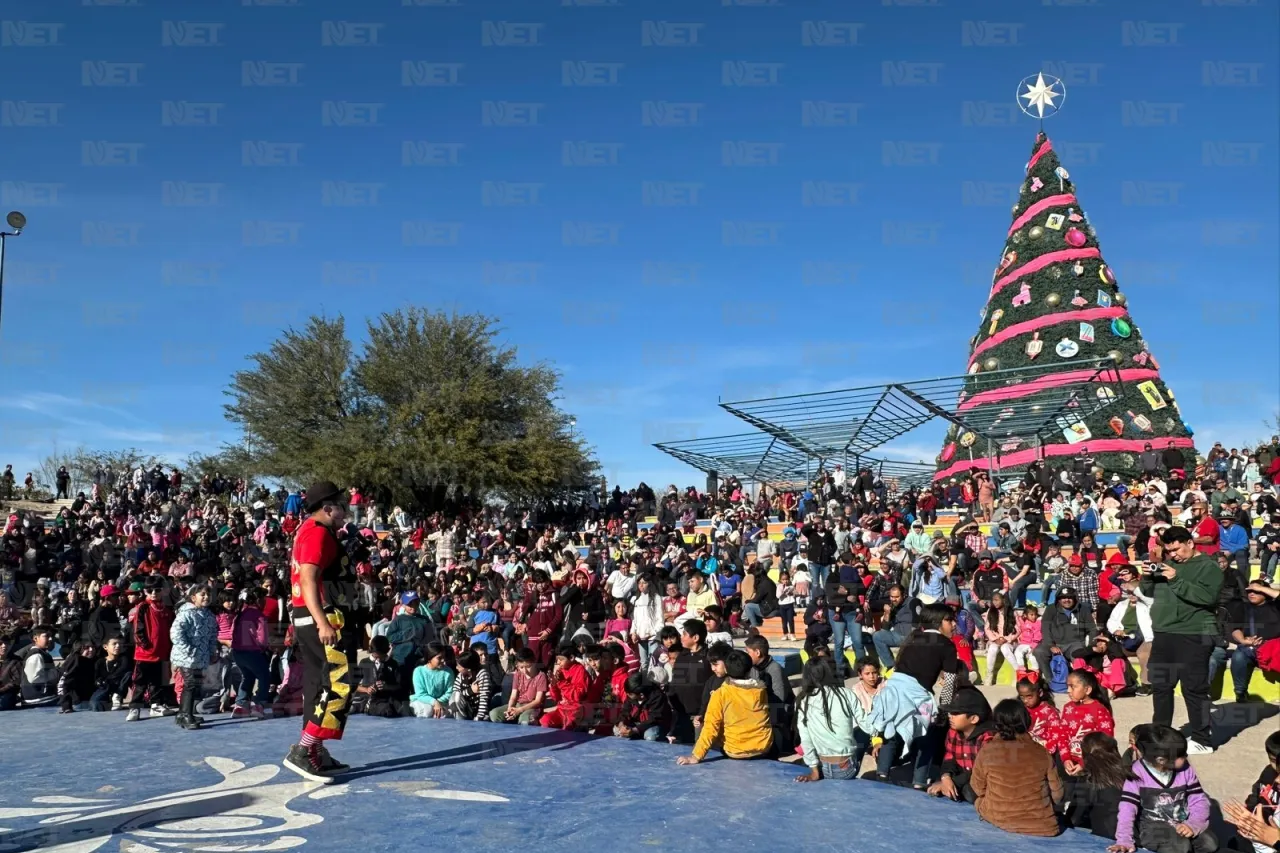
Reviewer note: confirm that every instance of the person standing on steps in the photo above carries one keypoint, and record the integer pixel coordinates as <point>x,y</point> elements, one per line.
<point>323,587</point>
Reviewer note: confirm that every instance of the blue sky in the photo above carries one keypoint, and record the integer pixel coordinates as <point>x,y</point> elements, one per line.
<point>674,203</point>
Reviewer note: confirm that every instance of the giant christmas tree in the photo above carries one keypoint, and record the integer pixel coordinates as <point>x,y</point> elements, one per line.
<point>1055,301</point>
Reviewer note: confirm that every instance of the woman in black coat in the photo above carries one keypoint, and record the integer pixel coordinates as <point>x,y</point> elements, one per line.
<point>764,600</point>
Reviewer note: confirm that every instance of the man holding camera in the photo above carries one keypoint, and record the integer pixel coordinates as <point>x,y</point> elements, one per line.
<point>1183,584</point>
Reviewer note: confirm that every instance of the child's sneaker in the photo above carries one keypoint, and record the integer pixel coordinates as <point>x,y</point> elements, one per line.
<point>306,764</point>
<point>158,710</point>
<point>239,712</point>
<point>133,716</point>
<point>259,712</point>
<point>116,703</point>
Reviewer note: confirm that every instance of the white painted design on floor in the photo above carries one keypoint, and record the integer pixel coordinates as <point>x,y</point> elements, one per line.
<point>245,814</point>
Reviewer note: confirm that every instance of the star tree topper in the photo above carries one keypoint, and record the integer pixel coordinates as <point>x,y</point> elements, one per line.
<point>1044,96</point>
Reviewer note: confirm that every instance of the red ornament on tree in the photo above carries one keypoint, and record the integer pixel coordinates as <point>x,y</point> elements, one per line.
<point>1075,237</point>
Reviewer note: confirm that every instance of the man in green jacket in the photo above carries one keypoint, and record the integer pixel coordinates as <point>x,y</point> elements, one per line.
<point>1184,585</point>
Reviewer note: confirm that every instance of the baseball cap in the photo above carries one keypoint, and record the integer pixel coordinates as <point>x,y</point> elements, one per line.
<point>1075,560</point>
<point>408,598</point>
<point>137,586</point>
<point>106,591</point>
<point>1069,592</point>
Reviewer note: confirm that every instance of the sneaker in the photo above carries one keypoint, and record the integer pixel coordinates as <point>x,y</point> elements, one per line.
<point>331,764</point>
<point>66,710</point>
<point>133,716</point>
<point>263,712</point>
<point>239,712</point>
<point>306,764</point>
<point>159,710</point>
<point>1197,748</point>
<point>257,711</point>
<point>116,703</point>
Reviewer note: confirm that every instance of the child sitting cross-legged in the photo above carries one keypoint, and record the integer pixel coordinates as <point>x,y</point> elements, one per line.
<point>471,689</point>
<point>528,692</point>
<point>380,692</point>
<point>646,713</point>
<point>432,683</point>
<point>569,686</point>
<point>1095,804</point>
<point>1163,808</point>
<point>825,716</point>
<point>1014,778</point>
<point>112,675</point>
<point>969,719</point>
<point>737,718</point>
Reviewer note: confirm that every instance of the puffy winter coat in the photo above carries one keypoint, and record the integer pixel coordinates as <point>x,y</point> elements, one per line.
<point>195,637</point>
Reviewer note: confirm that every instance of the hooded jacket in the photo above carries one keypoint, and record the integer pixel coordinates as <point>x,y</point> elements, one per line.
<point>582,606</point>
<point>737,721</point>
<point>151,624</point>
<point>195,637</point>
<point>569,688</point>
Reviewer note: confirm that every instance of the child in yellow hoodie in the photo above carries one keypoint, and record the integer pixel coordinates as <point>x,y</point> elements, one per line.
<point>737,718</point>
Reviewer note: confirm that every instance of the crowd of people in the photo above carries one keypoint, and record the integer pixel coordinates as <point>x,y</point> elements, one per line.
<point>151,596</point>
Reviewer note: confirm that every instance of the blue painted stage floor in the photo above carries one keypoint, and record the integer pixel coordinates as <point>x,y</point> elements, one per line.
<point>88,782</point>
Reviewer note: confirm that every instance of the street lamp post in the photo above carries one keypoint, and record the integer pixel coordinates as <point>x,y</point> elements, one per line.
<point>17,222</point>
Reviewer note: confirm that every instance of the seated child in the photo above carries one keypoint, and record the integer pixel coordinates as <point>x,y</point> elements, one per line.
<point>1107,659</point>
<point>380,693</point>
<point>826,719</point>
<point>569,685</point>
<point>1266,791</point>
<point>39,685</point>
<point>717,631</point>
<point>646,712</point>
<point>717,654</point>
<point>611,693</point>
<point>1163,808</point>
<point>1014,778</point>
<point>1096,800</point>
<point>76,677</point>
<point>1088,710</point>
<point>528,692</point>
<point>471,689</point>
<point>432,684</point>
<point>1045,721</point>
<point>112,675</point>
<point>737,717</point>
<point>969,719</point>
<point>781,697</point>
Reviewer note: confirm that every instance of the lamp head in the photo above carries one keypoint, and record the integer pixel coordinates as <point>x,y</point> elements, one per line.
<point>16,220</point>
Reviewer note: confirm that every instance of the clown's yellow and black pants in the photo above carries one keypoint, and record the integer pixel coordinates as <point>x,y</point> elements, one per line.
<point>328,676</point>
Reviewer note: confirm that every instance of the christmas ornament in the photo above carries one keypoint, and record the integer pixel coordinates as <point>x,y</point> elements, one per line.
<point>1036,184</point>
<point>1005,263</point>
<point>1141,357</point>
<point>1054,221</point>
<point>995,320</point>
<point>1152,394</point>
<point>1078,300</point>
<point>1016,236</point>
<point>1052,299</point>
<point>1011,444</point>
<point>1128,459</point>
<point>1104,299</point>
<point>1035,232</point>
<point>1075,237</point>
<point>1034,346</point>
<point>1055,272</point>
<point>1066,348</point>
<point>1170,423</point>
<point>1119,298</point>
<point>1105,396</point>
<point>1073,431</point>
<point>974,368</point>
<point>1117,425</point>
<point>1062,176</point>
<point>1120,328</point>
<point>1107,276</point>
<point>991,363</point>
<point>948,452</point>
<point>967,439</point>
<point>1086,333</point>
<point>1072,216</point>
<point>1024,295</point>
<point>1041,95</point>
<point>1115,355</point>
<point>1077,268</point>
<point>1141,422</point>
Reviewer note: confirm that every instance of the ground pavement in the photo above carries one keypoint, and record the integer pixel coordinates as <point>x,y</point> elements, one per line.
<point>84,782</point>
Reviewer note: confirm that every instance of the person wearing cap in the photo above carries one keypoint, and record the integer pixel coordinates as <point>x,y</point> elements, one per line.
<point>1233,540</point>
<point>150,622</point>
<point>917,542</point>
<point>969,730</point>
<point>322,586</point>
<point>1068,627</point>
<point>1184,588</point>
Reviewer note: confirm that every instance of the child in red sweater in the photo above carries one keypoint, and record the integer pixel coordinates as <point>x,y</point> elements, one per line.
<point>1045,720</point>
<point>569,686</point>
<point>1088,711</point>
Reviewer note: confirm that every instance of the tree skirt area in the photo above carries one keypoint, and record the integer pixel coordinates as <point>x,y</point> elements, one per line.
<point>89,781</point>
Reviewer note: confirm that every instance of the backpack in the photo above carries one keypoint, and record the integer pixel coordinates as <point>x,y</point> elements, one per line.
<point>1059,669</point>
